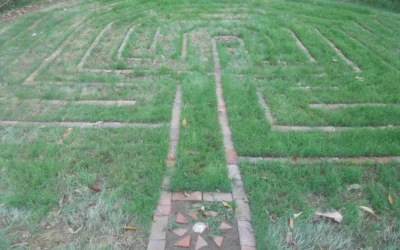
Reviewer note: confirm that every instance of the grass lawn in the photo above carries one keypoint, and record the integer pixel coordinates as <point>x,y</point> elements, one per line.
<point>309,78</point>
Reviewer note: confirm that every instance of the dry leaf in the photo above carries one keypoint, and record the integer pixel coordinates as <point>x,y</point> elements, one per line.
<point>297,215</point>
<point>155,218</point>
<point>130,228</point>
<point>390,198</point>
<point>116,205</point>
<point>95,188</point>
<point>226,204</point>
<point>353,186</point>
<point>273,217</point>
<point>185,123</point>
<point>186,194</point>
<point>335,60</point>
<point>333,215</point>
<point>368,210</point>
<point>67,132</point>
<point>315,218</point>
<point>59,142</point>
<point>61,201</point>
<point>74,232</point>
<point>291,223</point>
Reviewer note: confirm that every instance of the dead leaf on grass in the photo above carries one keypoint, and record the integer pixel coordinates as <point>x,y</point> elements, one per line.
<point>184,122</point>
<point>61,201</point>
<point>60,142</point>
<point>291,223</point>
<point>116,205</point>
<point>368,210</point>
<point>95,188</point>
<point>226,204</point>
<point>290,241</point>
<point>74,232</point>
<point>315,218</point>
<point>332,215</point>
<point>353,187</point>
<point>130,228</point>
<point>273,217</point>
<point>297,215</point>
<point>390,198</point>
<point>67,132</point>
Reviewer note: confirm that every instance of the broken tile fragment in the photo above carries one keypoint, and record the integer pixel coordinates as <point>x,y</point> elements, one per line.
<point>185,242</point>
<point>193,215</point>
<point>180,231</point>
<point>218,240</point>
<point>181,219</point>
<point>200,243</point>
<point>224,226</point>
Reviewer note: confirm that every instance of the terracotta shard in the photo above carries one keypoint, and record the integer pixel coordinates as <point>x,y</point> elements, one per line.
<point>200,243</point>
<point>180,231</point>
<point>224,226</point>
<point>181,219</point>
<point>218,240</point>
<point>185,242</point>
<point>193,215</point>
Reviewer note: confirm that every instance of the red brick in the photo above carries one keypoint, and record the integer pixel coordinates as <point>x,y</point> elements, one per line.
<point>242,210</point>
<point>231,156</point>
<point>156,245</point>
<point>246,235</point>
<point>214,196</point>
<point>234,172</point>
<point>165,198</point>
<point>158,229</point>
<point>163,210</point>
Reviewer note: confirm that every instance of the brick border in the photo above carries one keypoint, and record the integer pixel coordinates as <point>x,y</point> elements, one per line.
<point>123,44</point>
<point>83,124</point>
<point>271,120</point>
<point>155,39</point>
<point>242,211</point>
<point>301,46</point>
<point>355,160</point>
<point>184,47</point>
<point>340,53</point>
<point>80,102</point>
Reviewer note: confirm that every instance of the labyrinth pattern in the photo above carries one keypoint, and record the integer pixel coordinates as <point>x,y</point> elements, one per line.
<point>250,64</point>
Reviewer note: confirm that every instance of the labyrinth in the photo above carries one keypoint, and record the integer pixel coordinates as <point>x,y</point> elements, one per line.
<point>119,114</point>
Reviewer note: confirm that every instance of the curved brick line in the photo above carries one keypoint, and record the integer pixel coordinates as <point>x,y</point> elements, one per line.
<point>95,42</point>
<point>272,121</point>
<point>301,46</point>
<point>242,211</point>
<point>83,124</point>
<point>383,25</point>
<point>340,53</point>
<point>356,160</point>
<point>362,27</point>
<point>126,38</point>
<point>155,39</point>
<point>80,102</point>
<point>30,79</point>
<point>175,127</point>
<point>184,47</point>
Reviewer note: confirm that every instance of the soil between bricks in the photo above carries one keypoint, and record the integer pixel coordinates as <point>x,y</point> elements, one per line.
<point>231,237</point>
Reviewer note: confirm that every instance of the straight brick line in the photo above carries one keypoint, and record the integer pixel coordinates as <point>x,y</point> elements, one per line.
<point>83,124</point>
<point>30,79</point>
<point>340,53</point>
<point>362,27</point>
<point>95,42</point>
<point>361,159</point>
<point>383,25</point>
<point>97,84</point>
<point>351,105</point>
<point>271,120</point>
<point>155,39</point>
<point>242,211</point>
<point>81,102</point>
<point>301,46</point>
<point>158,232</point>
<point>126,38</point>
<point>35,23</point>
<point>184,47</point>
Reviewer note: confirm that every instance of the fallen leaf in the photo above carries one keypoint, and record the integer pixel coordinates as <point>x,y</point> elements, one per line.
<point>390,198</point>
<point>291,223</point>
<point>61,201</point>
<point>335,60</point>
<point>67,132</point>
<point>185,123</point>
<point>155,218</point>
<point>59,142</point>
<point>130,228</point>
<point>315,218</point>
<point>95,188</point>
<point>273,217</point>
<point>353,186</point>
<point>368,210</point>
<point>297,215</point>
<point>116,205</point>
<point>226,204</point>
<point>332,215</point>
<point>186,194</point>
<point>74,232</point>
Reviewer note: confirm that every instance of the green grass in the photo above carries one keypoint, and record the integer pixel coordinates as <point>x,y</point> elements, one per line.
<point>129,163</point>
<point>286,189</point>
